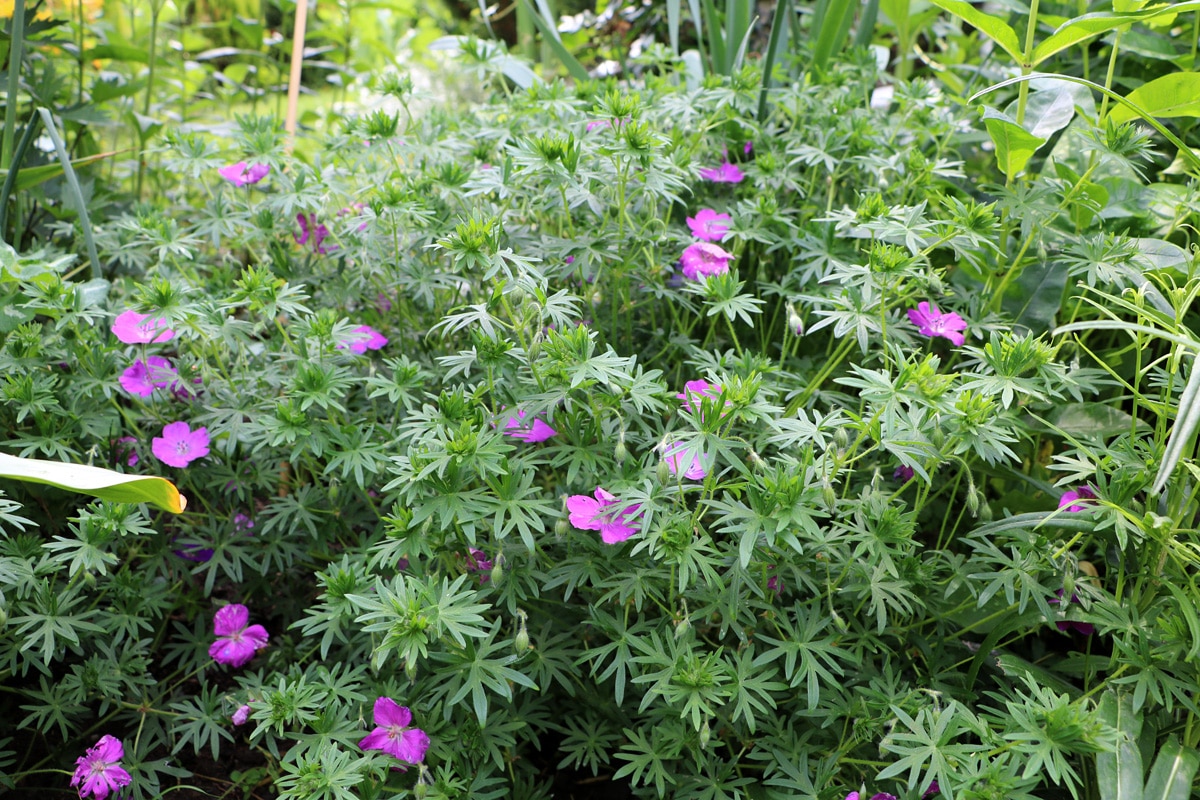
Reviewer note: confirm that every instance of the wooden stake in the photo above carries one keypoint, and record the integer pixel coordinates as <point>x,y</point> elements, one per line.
<point>293,97</point>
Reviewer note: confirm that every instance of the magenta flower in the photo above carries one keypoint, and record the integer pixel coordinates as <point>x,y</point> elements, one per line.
<point>366,338</point>
<point>698,390</point>
<point>597,123</point>
<point>134,328</point>
<point>236,643</point>
<point>1077,500</point>
<point>1086,628</point>
<point>242,523</point>
<point>144,377</point>
<point>536,431</point>
<point>125,450</point>
<point>477,561</point>
<point>726,173</point>
<point>675,453</point>
<point>318,233</point>
<point>241,715</point>
<point>876,796</point>
<point>394,734</point>
<point>703,259</point>
<point>774,584</point>
<point>179,445</point>
<point>931,322</point>
<point>99,769</point>
<point>903,473</point>
<point>709,225</point>
<point>240,175</point>
<point>614,525</point>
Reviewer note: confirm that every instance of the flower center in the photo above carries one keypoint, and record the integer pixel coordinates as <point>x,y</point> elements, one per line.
<point>182,448</point>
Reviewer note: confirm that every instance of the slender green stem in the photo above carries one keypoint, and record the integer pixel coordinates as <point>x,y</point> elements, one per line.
<point>1027,62</point>
<point>1108,77</point>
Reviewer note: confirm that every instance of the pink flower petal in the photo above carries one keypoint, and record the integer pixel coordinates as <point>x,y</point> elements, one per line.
<point>230,619</point>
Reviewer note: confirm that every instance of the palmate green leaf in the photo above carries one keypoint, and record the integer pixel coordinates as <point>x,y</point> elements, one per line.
<point>931,745</point>
<point>95,481</point>
<point>1174,95</point>
<point>811,656</point>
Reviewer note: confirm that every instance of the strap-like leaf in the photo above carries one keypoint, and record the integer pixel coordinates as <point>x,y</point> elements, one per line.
<point>95,481</point>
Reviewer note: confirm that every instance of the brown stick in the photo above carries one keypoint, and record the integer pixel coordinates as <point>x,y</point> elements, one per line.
<point>293,96</point>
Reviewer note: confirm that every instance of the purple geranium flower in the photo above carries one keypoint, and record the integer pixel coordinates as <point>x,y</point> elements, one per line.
<point>134,328</point>
<point>477,561</point>
<point>318,233</point>
<point>125,450</point>
<point>144,377</point>
<point>726,173</point>
<point>366,338</point>
<point>179,445</point>
<point>703,259</point>
<point>709,225</point>
<point>536,431</point>
<point>99,770</point>
<point>697,391</point>
<point>1077,500</point>
<point>597,514</point>
<point>903,473</point>
<point>1086,628</point>
<point>240,175</point>
<point>236,642</point>
<point>241,715</point>
<point>931,322</point>
<point>675,455</point>
<point>394,734</point>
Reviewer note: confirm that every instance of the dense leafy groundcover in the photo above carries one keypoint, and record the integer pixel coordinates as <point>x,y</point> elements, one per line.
<point>604,436</point>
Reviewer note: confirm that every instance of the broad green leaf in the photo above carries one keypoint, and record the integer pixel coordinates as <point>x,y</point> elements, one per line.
<point>117,52</point>
<point>1014,145</point>
<point>997,29</point>
<point>1085,27</point>
<point>32,176</point>
<point>95,481</point>
<point>1120,773</point>
<point>1049,110</point>
<point>550,37</point>
<point>1095,420</point>
<point>1171,776</point>
<point>1173,95</point>
<point>1033,299</point>
<point>1163,254</point>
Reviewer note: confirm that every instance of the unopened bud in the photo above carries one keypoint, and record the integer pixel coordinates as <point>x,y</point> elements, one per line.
<point>497,573</point>
<point>795,324</point>
<point>410,669</point>
<point>756,461</point>
<point>705,734</point>
<point>682,626</point>
<point>562,528</point>
<point>1068,587</point>
<point>3,618</point>
<point>427,526</point>
<point>841,439</point>
<point>521,640</point>
<point>663,473</point>
<point>829,494</point>
<point>619,452</point>
<point>937,437</point>
<point>985,512</point>
<point>972,499</point>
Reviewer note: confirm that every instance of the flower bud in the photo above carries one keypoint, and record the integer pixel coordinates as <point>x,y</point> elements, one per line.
<point>938,437</point>
<point>841,439</point>
<point>561,528</point>
<point>497,574</point>
<point>3,619</point>
<point>829,495</point>
<point>410,669</point>
<point>1068,587</point>
<point>663,473</point>
<point>973,499</point>
<point>682,626</point>
<point>521,641</point>
<point>619,452</point>
<point>985,513</point>
<point>705,734</point>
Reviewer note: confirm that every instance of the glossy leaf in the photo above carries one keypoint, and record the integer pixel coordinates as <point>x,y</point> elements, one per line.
<point>997,29</point>
<point>1119,773</point>
<point>1173,95</point>
<point>104,484</point>
<point>1085,27</point>
<point>1014,145</point>
<point>1172,773</point>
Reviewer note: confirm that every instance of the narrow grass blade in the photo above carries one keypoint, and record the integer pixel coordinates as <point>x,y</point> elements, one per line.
<point>76,191</point>
<point>12,103</point>
<point>716,39</point>
<point>1183,432</point>
<point>10,180</point>
<point>831,29</point>
<point>672,24</point>
<point>550,37</point>
<point>866,24</point>
<point>782,20</point>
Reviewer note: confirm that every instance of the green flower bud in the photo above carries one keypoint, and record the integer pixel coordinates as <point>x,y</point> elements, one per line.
<point>973,495</point>
<point>562,528</point>
<point>682,626</point>
<point>705,734</point>
<point>410,669</point>
<point>663,473</point>
<point>619,452</point>
<point>841,439</point>
<point>938,437</point>
<point>497,573</point>
<point>521,641</point>
<point>829,495</point>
